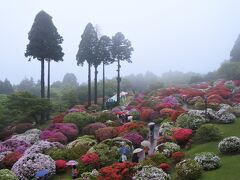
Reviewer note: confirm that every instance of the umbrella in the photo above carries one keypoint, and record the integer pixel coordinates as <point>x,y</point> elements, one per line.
<point>72,163</point>
<point>145,143</point>
<point>42,173</point>
<point>151,124</point>
<point>124,150</point>
<point>137,150</point>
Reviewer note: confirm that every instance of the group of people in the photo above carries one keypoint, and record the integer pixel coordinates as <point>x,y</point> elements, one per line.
<point>124,116</point>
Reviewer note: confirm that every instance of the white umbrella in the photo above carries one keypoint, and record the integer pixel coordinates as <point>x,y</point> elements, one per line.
<point>137,150</point>
<point>145,143</point>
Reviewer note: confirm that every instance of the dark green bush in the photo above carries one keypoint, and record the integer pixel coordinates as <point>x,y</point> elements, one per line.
<point>155,160</point>
<point>207,133</point>
<point>104,116</point>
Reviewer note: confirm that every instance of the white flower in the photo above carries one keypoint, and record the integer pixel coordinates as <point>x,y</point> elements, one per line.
<point>208,160</point>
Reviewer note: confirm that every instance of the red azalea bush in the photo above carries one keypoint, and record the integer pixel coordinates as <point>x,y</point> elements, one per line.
<point>163,105</point>
<point>59,118</point>
<point>61,165</point>
<point>10,159</point>
<point>182,135</point>
<point>129,127</point>
<point>191,92</point>
<point>53,136</point>
<point>91,128</point>
<point>165,167</point>
<point>90,159</point>
<point>177,156</point>
<point>146,114</point>
<point>134,137</point>
<point>106,133</point>
<point>117,171</point>
<point>167,112</point>
<point>215,98</point>
<point>220,90</point>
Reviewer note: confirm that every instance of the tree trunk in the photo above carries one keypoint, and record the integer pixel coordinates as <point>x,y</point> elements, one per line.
<point>118,83</point>
<point>48,90</point>
<point>103,96</point>
<point>95,85</point>
<point>42,87</point>
<point>89,85</point>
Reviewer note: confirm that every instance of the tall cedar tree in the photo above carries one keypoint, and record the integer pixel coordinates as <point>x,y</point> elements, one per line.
<point>121,51</point>
<point>235,52</point>
<point>44,44</point>
<point>104,53</point>
<point>87,52</point>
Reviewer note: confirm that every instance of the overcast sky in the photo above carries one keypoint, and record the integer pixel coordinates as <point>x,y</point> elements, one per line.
<point>182,35</point>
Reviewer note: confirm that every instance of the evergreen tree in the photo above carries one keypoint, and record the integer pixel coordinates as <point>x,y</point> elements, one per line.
<point>87,52</point>
<point>235,52</point>
<point>44,44</point>
<point>121,51</point>
<point>6,87</point>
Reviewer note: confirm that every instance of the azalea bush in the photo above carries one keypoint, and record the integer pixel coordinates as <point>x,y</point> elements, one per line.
<point>168,148</point>
<point>165,167</point>
<point>59,118</point>
<point>134,137</point>
<point>150,172</point>
<point>53,136</point>
<point>86,140</point>
<point>104,116</point>
<point>137,126</point>
<point>190,122</point>
<point>208,160</point>
<point>229,145</point>
<point>6,174</point>
<point>61,165</point>
<point>146,114</point>
<point>155,160</point>
<point>90,159</point>
<point>10,159</point>
<point>182,135</point>
<point>207,133</point>
<point>106,133</point>
<point>91,128</point>
<point>28,165</point>
<point>188,169</point>
<point>14,145</point>
<point>30,136</point>
<point>93,175</point>
<point>177,156</point>
<point>117,171</point>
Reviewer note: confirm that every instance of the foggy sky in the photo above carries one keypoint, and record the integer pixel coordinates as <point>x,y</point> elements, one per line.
<point>183,35</point>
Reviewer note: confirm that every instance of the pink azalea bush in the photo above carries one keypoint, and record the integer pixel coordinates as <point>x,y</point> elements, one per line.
<point>134,137</point>
<point>53,136</point>
<point>91,128</point>
<point>14,145</point>
<point>106,133</point>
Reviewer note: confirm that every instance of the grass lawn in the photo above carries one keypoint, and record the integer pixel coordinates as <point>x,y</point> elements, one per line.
<point>230,168</point>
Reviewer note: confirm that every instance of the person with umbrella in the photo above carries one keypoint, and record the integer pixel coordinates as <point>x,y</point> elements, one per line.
<point>74,164</point>
<point>135,157</point>
<point>146,145</point>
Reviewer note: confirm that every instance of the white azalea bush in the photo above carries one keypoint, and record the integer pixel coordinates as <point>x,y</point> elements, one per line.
<point>90,175</point>
<point>188,169</point>
<point>168,148</point>
<point>86,140</point>
<point>208,160</point>
<point>229,145</point>
<point>6,174</point>
<point>28,165</point>
<point>224,116</point>
<point>190,121</point>
<point>150,172</point>
<point>31,136</point>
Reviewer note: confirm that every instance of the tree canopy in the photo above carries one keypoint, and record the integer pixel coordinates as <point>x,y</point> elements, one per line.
<point>235,52</point>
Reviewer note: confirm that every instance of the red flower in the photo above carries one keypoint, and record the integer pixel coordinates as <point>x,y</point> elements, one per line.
<point>165,167</point>
<point>10,159</point>
<point>182,135</point>
<point>129,126</point>
<point>90,159</point>
<point>61,165</point>
<point>177,156</point>
<point>146,114</point>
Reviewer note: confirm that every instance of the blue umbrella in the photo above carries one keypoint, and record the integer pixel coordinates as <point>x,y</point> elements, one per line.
<point>42,173</point>
<point>124,150</point>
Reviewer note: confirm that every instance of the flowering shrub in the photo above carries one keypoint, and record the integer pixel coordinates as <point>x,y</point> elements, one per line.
<point>182,135</point>
<point>165,167</point>
<point>117,171</point>
<point>28,165</point>
<point>170,100</point>
<point>135,138</point>
<point>146,114</point>
<point>14,145</point>
<point>61,165</point>
<point>155,159</point>
<point>91,128</point>
<point>129,127</point>
<point>6,174</point>
<point>3,154</point>
<point>208,160</point>
<point>106,133</point>
<point>42,146</point>
<point>90,175</point>
<point>229,145</point>
<point>53,136</point>
<point>177,156</point>
<point>150,172</point>
<point>70,130</point>
<point>59,118</point>
<point>77,108</point>
<point>30,136</point>
<point>10,159</point>
<point>207,133</point>
<point>225,116</point>
<point>90,159</point>
<point>190,122</point>
<point>104,116</point>
<point>83,140</point>
<point>168,148</point>
<point>188,169</point>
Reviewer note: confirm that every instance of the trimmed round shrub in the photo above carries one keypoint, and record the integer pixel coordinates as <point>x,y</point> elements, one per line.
<point>155,159</point>
<point>53,136</point>
<point>229,145</point>
<point>165,167</point>
<point>106,133</point>
<point>134,137</point>
<point>85,140</point>
<point>27,166</point>
<point>91,128</point>
<point>189,122</point>
<point>168,148</point>
<point>6,174</point>
<point>61,165</point>
<point>177,156</point>
<point>80,119</point>
<point>105,116</point>
<point>10,159</point>
<point>188,169</point>
<point>208,160</point>
<point>207,133</point>
<point>182,135</point>
<point>14,145</point>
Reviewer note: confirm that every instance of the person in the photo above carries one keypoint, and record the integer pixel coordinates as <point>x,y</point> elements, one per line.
<point>123,157</point>
<point>74,172</point>
<point>146,149</point>
<point>135,158</point>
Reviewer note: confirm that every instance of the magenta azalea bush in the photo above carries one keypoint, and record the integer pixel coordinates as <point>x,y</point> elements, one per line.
<point>134,137</point>
<point>170,100</point>
<point>28,165</point>
<point>53,136</point>
<point>91,128</point>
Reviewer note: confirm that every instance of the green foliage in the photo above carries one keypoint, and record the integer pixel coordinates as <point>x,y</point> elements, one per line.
<point>230,70</point>
<point>191,122</point>
<point>6,174</point>
<point>207,133</point>
<point>104,116</point>
<point>24,107</point>
<point>6,87</point>
<point>155,160</point>
<point>235,52</point>
<point>188,169</point>
<point>80,119</point>
<point>69,81</point>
